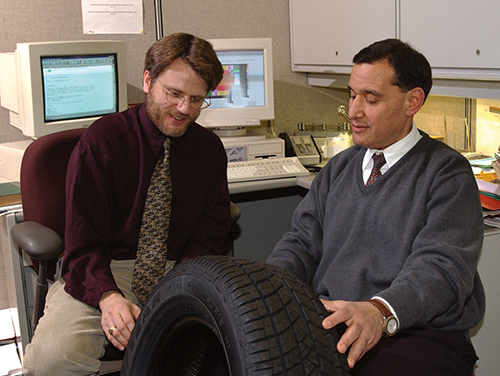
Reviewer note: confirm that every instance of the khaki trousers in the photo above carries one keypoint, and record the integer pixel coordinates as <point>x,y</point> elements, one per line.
<point>69,339</point>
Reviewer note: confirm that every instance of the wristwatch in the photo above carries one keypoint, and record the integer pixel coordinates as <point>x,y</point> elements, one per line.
<point>390,326</point>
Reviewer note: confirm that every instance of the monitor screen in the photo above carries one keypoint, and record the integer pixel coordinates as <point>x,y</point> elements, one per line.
<point>63,85</point>
<point>243,82</point>
<point>76,87</point>
<point>244,97</point>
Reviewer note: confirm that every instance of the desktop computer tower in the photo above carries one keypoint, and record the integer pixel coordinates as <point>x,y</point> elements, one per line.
<point>11,156</point>
<point>256,144</point>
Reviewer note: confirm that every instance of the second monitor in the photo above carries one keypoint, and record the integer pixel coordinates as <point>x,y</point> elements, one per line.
<point>245,95</point>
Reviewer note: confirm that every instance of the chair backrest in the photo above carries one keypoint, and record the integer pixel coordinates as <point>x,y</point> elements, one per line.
<point>43,178</point>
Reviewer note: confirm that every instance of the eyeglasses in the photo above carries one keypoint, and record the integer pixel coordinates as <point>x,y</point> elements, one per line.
<point>196,103</point>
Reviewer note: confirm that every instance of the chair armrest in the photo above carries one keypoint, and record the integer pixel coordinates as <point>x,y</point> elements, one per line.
<point>38,241</point>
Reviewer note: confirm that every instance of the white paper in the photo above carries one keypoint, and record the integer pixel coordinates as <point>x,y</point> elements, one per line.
<point>112,17</point>
<point>10,363</point>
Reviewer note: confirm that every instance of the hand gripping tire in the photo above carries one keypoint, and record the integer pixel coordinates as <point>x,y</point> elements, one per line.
<point>221,316</point>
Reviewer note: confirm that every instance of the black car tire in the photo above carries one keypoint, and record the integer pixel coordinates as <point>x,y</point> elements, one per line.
<point>220,316</point>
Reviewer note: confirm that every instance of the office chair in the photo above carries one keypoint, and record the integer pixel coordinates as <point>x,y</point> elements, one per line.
<point>40,233</point>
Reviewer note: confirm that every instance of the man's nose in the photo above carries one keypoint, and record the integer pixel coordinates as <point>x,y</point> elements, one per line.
<point>355,108</point>
<point>184,106</point>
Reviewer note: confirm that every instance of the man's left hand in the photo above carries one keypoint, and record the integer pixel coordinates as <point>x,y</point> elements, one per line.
<point>364,326</point>
<point>118,318</point>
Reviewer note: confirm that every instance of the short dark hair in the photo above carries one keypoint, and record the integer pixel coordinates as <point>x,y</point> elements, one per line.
<point>196,52</point>
<point>411,68</point>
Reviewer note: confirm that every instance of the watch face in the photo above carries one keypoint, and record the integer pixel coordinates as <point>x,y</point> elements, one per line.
<point>392,326</point>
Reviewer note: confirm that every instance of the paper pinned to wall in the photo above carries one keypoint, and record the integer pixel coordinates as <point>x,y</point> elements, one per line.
<point>112,17</point>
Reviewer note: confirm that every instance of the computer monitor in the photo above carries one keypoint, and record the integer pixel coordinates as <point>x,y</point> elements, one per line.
<point>245,95</point>
<point>54,86</point>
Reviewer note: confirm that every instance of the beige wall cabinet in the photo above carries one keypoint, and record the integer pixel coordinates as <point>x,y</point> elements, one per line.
<point>326,34</point>
<point>459,37</point>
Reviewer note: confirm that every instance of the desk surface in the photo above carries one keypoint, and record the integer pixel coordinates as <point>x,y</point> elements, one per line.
<point>10,194</point>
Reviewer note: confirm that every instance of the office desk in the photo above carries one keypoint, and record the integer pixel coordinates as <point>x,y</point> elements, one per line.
<point>266,208</point>
<point>266,215</point>
<point>486,336</point>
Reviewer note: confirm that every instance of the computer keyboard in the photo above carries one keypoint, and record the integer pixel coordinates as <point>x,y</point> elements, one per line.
<point>261,169</point>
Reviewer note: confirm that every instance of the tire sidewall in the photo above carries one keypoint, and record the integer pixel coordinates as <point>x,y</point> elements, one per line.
<point>186,297</point>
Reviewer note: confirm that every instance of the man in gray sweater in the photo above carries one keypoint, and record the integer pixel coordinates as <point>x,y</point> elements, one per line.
<point>393,252</point>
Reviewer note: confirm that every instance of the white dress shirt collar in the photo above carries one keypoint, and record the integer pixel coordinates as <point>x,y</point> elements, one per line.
<point>392,153</point>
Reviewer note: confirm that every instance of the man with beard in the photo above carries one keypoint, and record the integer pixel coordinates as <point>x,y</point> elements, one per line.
<point>95,303</point>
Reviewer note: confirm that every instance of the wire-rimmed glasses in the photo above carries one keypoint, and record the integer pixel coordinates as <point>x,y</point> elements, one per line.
<point>196,103</point>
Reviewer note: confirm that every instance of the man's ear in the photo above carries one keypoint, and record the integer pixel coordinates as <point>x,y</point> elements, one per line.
<point>146,82</point>
<point>415,101</point>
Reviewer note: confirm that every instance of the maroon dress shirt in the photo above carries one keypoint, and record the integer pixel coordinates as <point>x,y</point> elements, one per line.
<point>108,178</point>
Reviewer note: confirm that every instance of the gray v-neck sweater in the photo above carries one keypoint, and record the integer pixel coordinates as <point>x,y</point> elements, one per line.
<point>413,237</point>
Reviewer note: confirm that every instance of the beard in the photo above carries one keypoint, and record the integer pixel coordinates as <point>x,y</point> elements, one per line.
<point>169,121</point>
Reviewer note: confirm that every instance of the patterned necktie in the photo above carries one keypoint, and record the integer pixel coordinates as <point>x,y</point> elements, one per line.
<point>152,248</point>
<point>378,162</point>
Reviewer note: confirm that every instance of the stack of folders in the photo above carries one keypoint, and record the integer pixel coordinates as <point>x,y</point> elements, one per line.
<point>489,190</point>
<point>496,163</point>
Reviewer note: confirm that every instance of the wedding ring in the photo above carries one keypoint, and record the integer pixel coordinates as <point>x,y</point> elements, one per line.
<point>111,330</point>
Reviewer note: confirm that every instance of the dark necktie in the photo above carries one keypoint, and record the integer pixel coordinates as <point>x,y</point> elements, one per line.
<point>378,162</point>
<point>152,248</point>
